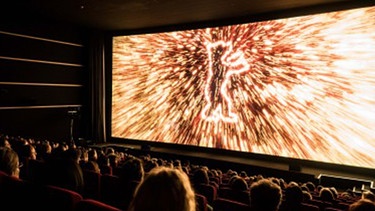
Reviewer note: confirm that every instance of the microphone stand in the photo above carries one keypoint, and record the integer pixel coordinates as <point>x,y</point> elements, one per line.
<point>72,114</point>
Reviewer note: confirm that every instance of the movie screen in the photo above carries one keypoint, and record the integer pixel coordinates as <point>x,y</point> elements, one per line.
<point>301,87</point>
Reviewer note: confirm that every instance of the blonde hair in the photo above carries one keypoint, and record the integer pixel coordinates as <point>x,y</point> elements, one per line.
<point>164,189</point>
<point>9,161</point>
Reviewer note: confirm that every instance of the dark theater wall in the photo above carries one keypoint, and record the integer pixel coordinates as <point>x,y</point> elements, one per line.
<point>43,78</point>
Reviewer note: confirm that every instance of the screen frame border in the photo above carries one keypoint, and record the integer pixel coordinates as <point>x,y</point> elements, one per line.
<point>320,166</point>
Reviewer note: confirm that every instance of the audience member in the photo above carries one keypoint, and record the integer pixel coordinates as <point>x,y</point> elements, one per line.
<point>114,162</point>
<point>243,174</point>
<point>201,184</point>
<point>326,195</point>
<point>90,166</point>
<point>44,151</point>
<point>368,195</point>
<point>164,189</point>
<point>239,184</point>
<point>311,186</point>
<point>239,190</point>
<point>92,154</point>
<point>109,151</point>
<point>4,142</point>
<point>84,155</point>
<point>167,186</point>
<point>334,193</point>
<point>65,173</point>
<point>293,198</point>
<point>27,153</point>
<point>9,162</point>
<point>131,170</point>
<point>177,164</point>
<point>306,196</point>
<point>362,205</point>
<point>131,173</point>
<point>200,176</point>
<point>103,161</point>
<point>149,165</point>
<point>72,154</point>
<point>347,195</point>
<point>265,196</point>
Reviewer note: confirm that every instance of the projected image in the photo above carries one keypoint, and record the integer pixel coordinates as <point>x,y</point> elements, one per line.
<point>301,87</point>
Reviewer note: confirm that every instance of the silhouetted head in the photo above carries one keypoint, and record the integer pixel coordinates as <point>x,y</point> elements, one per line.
<point>164,189</point>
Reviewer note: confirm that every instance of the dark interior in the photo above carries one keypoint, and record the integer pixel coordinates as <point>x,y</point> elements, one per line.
<point>52,75</point>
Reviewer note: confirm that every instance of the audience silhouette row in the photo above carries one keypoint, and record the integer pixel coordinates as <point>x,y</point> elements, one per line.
<point>122,181</point>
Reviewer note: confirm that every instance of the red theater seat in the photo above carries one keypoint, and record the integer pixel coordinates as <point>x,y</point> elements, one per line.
<point>94,205</point>
<point>16,194</point>
<point>201,202</point>
<point>109,189</point>
<point>229,193</point>
<point>310,207</point>
<point>332,209</point>
<point>209,191</point>
<point>221,204</point>
<point>92,184</point>
<point>61,199</point>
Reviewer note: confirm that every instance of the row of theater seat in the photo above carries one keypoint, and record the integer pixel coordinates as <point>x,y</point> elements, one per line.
<point>19,194</point>
<point>105,188</point>
<point>100,189</point>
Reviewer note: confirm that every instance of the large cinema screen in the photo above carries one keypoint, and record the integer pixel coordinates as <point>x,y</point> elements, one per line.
<point>300,87</point>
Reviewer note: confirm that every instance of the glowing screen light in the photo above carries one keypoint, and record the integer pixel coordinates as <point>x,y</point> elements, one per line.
<point>301,87</point>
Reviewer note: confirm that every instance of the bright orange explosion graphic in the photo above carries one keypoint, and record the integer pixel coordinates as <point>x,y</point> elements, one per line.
<point>300,87</point>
